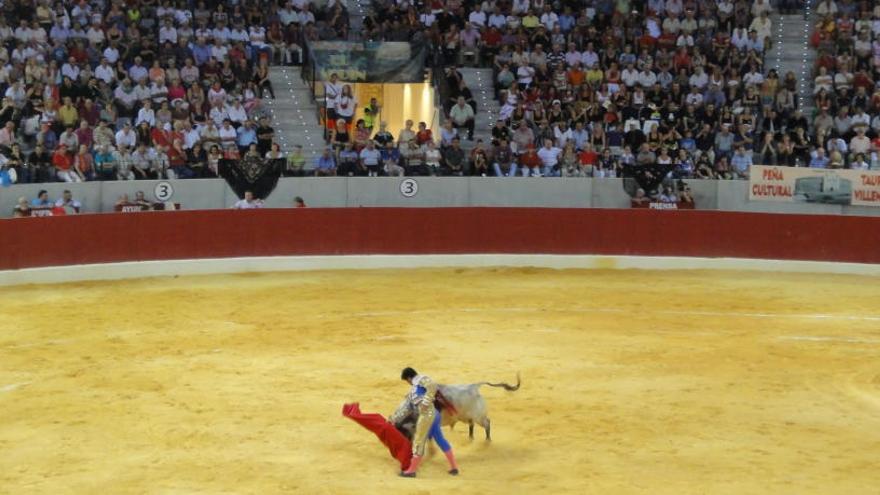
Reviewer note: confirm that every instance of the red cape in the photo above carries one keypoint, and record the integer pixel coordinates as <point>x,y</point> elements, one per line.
<point>397,444</point>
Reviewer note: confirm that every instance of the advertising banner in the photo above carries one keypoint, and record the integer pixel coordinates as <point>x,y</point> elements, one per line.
<point>814,185</point>
<point>356,61</point>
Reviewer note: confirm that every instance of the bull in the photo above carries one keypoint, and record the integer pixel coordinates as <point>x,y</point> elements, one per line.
<point>467,405</point>
<point>459,404</point>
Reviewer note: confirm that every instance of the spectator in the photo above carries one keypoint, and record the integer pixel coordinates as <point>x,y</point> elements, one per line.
<point>349,161</point>
<point>70,205</point>
<point>432,157</point>
<point>391,160</point>
<point>42,199</point>
<point>454,159</point>
<point>819,160</point>
<point>370,159</point>
<point>325,165</point>
<point>21,208</point>
<point>249,202</point>
<point>741,162</point>
<point>63,164</point>
<point>462,116</point>
<point>346,105</point>
<point>504,164</point>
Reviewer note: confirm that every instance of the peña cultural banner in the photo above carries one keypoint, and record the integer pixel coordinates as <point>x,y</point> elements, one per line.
<point>366,61</point>
<point>815,185</point>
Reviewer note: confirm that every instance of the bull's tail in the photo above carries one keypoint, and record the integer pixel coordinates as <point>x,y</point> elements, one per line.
<point>506,386</point>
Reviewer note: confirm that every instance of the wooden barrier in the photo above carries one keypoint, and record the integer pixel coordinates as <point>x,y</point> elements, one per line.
<point>66,240</point>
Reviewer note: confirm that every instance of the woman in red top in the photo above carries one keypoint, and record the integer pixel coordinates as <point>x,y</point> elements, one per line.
<point>63,164</point>
<point>177,168</point>
<point>424,135</point>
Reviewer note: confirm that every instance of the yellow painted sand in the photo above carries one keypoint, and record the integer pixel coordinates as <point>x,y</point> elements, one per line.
<point>633,382</point>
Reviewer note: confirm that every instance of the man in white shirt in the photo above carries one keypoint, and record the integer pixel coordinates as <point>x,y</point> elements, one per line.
<point>753,77</point>
<point>236,112</point>
<point>497,19</point>
<point>525,74</point>
<point>249,202</point>
<point>754,42</point>
<point>462,115</point>
<point>137,71</point>
<point>694,98</point>
<point>332,90</point>
<point>146,114</point>
<point>647,78</point>
<point>477,18</point>
<point>126,137</point>
<point>70,69</point>
<point>238,33</point>
<point>228,134</point>
<point>306,16</point>
<point>95,35</point>
<point>142,91</point>
<point>549,19</point>
<point>572,56</point>
<point>860,143</point>
<point>370,158</point>
<point>167,32</point>
<point>58,33</point>
<point>219,50</point>
<point>23,32</point>
<point>105,71</point>
<point>111,53</point>
<point>629,76</point>
<point>287,15</point>
<point>191,135</point>
<point>427,17</point>
<point>549,156</point>
<point>589,57</point>
<point>699,78</point>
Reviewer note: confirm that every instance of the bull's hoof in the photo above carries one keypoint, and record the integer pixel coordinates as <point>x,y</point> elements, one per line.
<point>453,472</point>
<point>404,474</point>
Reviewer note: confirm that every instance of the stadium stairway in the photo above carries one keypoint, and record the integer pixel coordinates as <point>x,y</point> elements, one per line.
<point>294,114</point>
<point>481,84</point>
<point>791,52</point>
<point>357,10</point>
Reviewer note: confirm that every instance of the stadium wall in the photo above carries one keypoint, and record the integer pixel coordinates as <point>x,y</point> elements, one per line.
<point>211,234</point>
<point>432,192</point>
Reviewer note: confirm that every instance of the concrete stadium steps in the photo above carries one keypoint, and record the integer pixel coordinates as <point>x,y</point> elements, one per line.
<point>357,10</point>
<point>791,52</point>
<point>481,84</point>
<point>294,114</point>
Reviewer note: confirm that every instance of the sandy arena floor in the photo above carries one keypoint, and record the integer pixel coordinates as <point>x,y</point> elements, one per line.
<point>633,382</point>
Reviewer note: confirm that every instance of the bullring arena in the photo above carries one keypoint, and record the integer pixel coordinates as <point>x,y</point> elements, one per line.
<point>758,378</point>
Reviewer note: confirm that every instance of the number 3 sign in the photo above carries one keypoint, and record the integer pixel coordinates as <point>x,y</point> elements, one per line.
<point>409,188</point>
<point>163,191</point>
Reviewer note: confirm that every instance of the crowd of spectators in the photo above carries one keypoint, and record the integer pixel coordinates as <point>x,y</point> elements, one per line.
<point>846,89</point>
<point>597,87</point>
<point>137,89</point>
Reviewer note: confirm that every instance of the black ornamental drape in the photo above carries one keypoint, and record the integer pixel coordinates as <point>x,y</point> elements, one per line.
<point>254,174</point>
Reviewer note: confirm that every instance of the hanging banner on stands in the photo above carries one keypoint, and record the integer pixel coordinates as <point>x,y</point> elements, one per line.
<point>815,185</point>
<point>356,61</point>
<point>254,174</point>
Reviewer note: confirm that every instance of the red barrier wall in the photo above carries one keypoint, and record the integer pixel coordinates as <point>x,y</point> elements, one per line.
<point>33,242</point>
